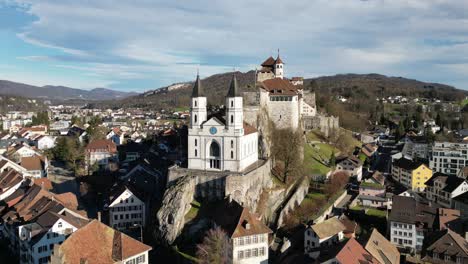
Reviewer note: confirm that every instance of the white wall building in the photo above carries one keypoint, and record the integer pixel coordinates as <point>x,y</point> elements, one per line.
<point>220,143</point>
<point>326,233</point>
<point>442,188</point>
<point>126,209</point>
<point>449,157</point>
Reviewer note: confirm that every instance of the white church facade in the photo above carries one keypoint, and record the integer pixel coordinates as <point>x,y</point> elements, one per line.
<point>220,142</point>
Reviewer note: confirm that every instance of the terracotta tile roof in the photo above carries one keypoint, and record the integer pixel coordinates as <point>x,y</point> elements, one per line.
<point>101,145</point>
<point>44,183</point>
<point>9,178</point>
<point>278,86</point>
<point>97,243</point>
<point>445,242</point>
<point>237,221</point>
<point>381,249</point>
<point>446,217</point>
<point>248,129</point>
<point>354,253</point>
<point>68,199</point>
<point>329,227</point>
<point>32,163</point>
<point>268,62</point>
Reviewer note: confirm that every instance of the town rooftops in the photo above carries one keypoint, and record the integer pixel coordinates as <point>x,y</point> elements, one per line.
<point>448,218</point>
<point>102,145</point>
<point>354,160</point>
<point>445,242</point>
<point>353,253</point>
<point>451,182</point>
<point>99,243</point>
<point>238,221</point>
<point>328,228</point>
<point>381,249</point>
<point>9,178</point>
<point>32,163</point>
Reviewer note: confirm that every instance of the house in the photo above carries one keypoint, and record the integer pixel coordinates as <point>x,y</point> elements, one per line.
<point>411,174</point>
<point>247,234</point>
<point>449,219</point>
<point>409,222</point>
<point>125,208</point>
<point>449,157</point>
<point>10,181</point>
<point>463,173</point>
<point>37,239</point>
<point>416,147</point>
<point>442,188</point>
<point>328,232</point>
<point>372,195</point>
<point>98,243</point>
<point>377,177</point>
<point>18,151</point>
<point>36,166</point>
<point>369,150</point>
<point>44,142</point>
<point>116,135</point>
<point>351,164</point>
<point>447,247</point>
<point>346,252</point>
<point>381,249</point>
<point>77,132</point>
<point>101,152</point>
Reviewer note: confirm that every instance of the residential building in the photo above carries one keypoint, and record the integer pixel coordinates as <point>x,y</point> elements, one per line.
<point>445,247</point>
<point>411,173</point>
<point>10,181</point>
<point>98,243</point>
<point>37,239</point>
<point>36,166</point>
<point>449,157</point>
<point>328,232</point>
<point>247,234</point>
<point>44,142</point>
<point>351,164</point>
<point>220,143</point>
<point>116,135</point>
<point>460,203</point>
<point>346,252</point>
<point>381,249</point>
<point>102,152</point>
<point>126,209</point>
<point>372,195</point>
<point>416,147</point>
<point>409,222</point>
<point>442,188</point>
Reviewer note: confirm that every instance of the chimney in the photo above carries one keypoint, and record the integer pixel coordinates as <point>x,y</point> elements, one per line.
<point>99,216</point>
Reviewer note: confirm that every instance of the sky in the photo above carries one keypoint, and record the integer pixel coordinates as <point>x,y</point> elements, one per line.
<point>138,45</point>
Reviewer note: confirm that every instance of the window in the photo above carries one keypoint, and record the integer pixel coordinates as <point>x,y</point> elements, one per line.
<point>255,252</point>
<point>262,251</point>
<point>241,241</point>
<point>195,103</point>
<point>196,153</point>
<point>240,254</point>
<point>232,103</point>
<point>255,239</point>
<point>60,224</point>
<point>232,143</point>
<point>116,217</point>
<point>262,238</point>
<point>196,142</point>
<point>232,119</point>
<point>131,200</point>
<point>195,118</point>
<point>248,253</point>
<point>51,246</point>
<point>247,240</point>
<point>232,154</point>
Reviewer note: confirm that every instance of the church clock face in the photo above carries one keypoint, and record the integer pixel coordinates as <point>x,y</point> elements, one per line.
<point>213,130</point>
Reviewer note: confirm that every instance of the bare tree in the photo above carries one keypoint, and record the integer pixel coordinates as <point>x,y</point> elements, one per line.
<point>215,247</point>
<point>287,149</point>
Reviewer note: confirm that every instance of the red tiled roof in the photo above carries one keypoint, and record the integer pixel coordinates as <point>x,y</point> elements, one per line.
<point>32,163</point>
<point>278,86</point>
<point>248,129</point>
<point>44,183</point>
<point>99,243</point>
<point>102,145</point>
<point>354,253</point>
<point>268,62</point>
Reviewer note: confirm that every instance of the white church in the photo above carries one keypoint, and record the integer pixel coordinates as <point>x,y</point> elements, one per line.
<point>220,143</point>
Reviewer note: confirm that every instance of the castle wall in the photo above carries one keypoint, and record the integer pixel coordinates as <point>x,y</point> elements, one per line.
<point>284,114</point>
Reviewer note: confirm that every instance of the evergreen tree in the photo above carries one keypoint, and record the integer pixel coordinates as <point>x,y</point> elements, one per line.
<point>332,161</point>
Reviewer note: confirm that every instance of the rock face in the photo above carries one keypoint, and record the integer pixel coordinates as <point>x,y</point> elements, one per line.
<point>175,205</point>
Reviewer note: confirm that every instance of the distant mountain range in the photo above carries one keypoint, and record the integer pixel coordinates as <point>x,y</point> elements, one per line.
<point>369,86</point>
<point>49,92</point>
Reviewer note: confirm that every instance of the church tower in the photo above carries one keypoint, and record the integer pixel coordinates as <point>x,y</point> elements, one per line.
<point>198,112</point>
<point>278,67</point>
<point>234,106</point>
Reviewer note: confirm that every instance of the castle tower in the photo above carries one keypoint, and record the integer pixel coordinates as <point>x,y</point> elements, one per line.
<point>198,113</point>
<point>234,106</point>
<point>278,67</point>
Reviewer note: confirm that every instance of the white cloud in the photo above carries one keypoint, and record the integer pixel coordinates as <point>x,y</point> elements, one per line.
<point>143,39</point>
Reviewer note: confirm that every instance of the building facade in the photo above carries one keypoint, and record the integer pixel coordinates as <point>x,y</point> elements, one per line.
<point>411,174</point>
<point>220,142</point>
<point>449,157</point>
<point>126,209</point>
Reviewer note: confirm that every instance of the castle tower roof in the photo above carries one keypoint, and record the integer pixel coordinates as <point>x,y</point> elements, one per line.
<point>197,90</point>
<point>234,90</point>
<point>268,62</point>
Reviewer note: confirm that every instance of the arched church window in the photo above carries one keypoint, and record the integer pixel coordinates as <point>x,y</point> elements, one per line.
<point>195,118</point>
<point>214,149</point>
<point>196,142</point>
<point>196,153</point>
<point>232,119</point>
<point>232,154</point>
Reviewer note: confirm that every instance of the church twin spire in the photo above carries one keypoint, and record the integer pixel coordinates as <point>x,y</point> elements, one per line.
<point>233,91</point>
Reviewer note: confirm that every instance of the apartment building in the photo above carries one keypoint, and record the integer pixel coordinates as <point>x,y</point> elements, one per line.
<point>449,157</point>
<point>411,174</point>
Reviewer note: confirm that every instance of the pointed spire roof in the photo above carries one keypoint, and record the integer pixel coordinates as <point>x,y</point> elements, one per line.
<point>197,90</point>
<point>278,59</point>
<point>234,90</point>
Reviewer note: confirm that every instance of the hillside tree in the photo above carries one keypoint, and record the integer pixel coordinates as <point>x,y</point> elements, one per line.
<point>215,247</point>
